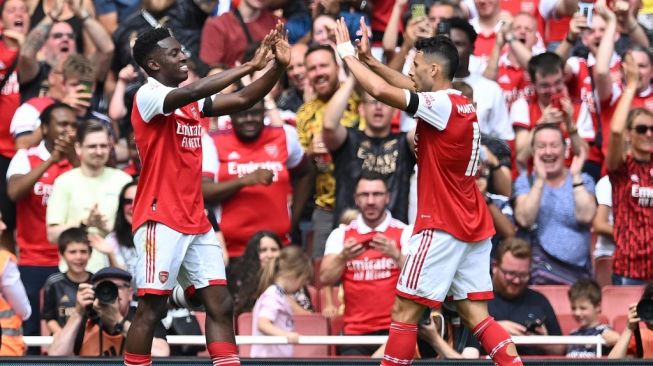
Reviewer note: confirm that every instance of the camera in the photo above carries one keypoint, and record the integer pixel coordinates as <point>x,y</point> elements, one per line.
<point>179,300</point>
<point>645,310</point>
<point>532,324</point>
<point>106,292</point>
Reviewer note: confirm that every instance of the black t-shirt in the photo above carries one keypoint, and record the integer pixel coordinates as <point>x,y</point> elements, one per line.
<point>183,18</point>
<point>390,156</point>
<point>59,297</point>
<point>531,306</point>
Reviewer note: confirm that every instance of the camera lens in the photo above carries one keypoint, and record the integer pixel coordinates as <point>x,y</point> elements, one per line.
<point>106,292</point>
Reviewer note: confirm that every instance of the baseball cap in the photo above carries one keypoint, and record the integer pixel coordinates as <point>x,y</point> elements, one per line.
<point>111,272</point>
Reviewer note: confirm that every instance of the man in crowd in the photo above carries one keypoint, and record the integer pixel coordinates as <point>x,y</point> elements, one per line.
<point>30,178</point>
<point>366,256</point>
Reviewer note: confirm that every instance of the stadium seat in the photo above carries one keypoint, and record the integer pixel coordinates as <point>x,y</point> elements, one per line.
<point>603,271</point>
<point>317,262</point>
<point>557,296</point>
<point>620,322</point>
<point>311,324</point>
<point>616,299</point>
<point>568,323</point>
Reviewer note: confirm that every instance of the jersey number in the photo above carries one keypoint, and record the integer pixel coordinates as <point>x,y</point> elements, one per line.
<point>475,158</point>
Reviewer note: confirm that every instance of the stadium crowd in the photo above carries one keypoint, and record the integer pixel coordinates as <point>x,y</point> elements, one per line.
<point>562,91</point>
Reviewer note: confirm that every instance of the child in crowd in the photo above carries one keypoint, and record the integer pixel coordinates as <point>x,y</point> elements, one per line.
<point>60,289</point>
<point>273,314</point>
<point>585,299</point>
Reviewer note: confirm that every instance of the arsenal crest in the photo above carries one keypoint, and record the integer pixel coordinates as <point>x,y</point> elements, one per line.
<point>271,150</point>
<point>163,276</point>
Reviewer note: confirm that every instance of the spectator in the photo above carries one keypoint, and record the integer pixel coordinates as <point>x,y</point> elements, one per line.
<point>88,195</point>
<point>101,331</point>
<point>377,149</point>
<point>520,310</point>
<point>57,38</point>
<point>252,165</point>
<point>627,344</point>
<point>631,184</point>
<point>490,18</point>
<point>14,305</point>
<point>551,104</point>
<point>111,13</point>
<point>262,248</point>
<point>491,109</point>
<point>366,256</point>
<point>30,178</point>
<point>299,89</point>
<point>603,224</point>
<point>70,13</point>
<point>322,71</point>
<point>273,313</point>
<point>323,30</point>
<point>122,238</point>
<point>70,82</point>
<point>560,203</point>
<point>225,38</point>
<point>585,299</point>
<point>60,289</point>
<point>15,24</point>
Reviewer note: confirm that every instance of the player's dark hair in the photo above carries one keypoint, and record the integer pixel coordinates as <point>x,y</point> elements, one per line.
<point>248,272</point>
<point>91,126</point>
<point>121,227</point>
<point>443,49</point>
<point>46,115</point>
<point>587,289</point>
<point>463,25</point>
<point>519,248</point>
<point>547,63</point>
<point>371,175</point>
<point>146,43</point>
<point>321,47</point>
<point>73,235</point>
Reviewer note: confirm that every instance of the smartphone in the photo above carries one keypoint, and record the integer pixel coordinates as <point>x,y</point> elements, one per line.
<point>586,10</point>
<point>443,28</point>
<point>88,86</point>
<point>417,11</point>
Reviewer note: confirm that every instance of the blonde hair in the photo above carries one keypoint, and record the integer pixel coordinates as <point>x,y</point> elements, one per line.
<point>348,216</point>
<point>291,260</point>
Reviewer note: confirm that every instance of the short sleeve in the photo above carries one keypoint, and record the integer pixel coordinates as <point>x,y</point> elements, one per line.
<point>49,303</point>
<point>584,123</point>
<point>26,119</point>
<point>574,65</point>
<point>588,182</point>
<point>433,108</point>
<point>604,192</point>
<point>57,210</point>
<point>295,150</point>
<point>19,164</point>
<point>209,158</point>
<point>150,98</point>
<point>547,8</point>
<point>519,116</point>
<point>522,185</point>
<point>270,305</point>
<point>335,242</point>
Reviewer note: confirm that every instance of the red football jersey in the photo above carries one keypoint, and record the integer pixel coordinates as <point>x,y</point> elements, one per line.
<point>9,99</point>
<point>257,207</point>
<point>31,235</point>
<point>170,147</point>
<point>513,80</point>
<point>632,208</point>
<point>447,144</point>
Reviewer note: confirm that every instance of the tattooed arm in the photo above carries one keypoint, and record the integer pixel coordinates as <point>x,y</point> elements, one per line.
<point>28,66</point>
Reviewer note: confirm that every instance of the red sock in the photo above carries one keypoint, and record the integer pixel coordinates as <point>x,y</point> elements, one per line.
<point>497,343</point>
<point>400,349</point>
<point>223,354</point>
<point>133,359</point>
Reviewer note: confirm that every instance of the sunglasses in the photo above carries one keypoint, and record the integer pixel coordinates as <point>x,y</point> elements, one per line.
<point>641,129</point>
<point>57,35</point>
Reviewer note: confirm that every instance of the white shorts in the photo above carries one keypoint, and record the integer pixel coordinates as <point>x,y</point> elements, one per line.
<point>166,256</point>
<point>439,265</point>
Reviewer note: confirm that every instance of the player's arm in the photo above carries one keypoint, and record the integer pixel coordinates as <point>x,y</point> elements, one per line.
<point>254,92</point>
<point>391,76</point>
<point>373,84</point>
<point>601,70</point>
<point>615,155</point>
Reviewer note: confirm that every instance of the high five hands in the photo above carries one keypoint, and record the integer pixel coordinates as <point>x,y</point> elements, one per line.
<point>274,46</point>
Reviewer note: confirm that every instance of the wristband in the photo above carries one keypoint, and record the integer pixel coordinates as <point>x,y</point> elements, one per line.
<point>345,49</point>
<point>570,40</point>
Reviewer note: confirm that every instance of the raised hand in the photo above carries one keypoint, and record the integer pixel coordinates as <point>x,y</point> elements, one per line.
<point>56,11</point>
<point>281,46</point>
<point>64,146</point>
<point>263,53</point>
<point>341,32</point>
<point>577,23</point>
<point>604,11</point>
<point>578,161</point>
<point>363,44</point>
<point>79,99</point>
<point>631,75</point>
<point>538,165</point>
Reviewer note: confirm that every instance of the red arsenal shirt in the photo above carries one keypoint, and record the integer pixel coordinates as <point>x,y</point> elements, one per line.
<point>9,99</point>
<point>170,147</point>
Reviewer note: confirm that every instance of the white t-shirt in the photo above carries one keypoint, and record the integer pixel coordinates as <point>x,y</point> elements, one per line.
<point>604,245</point>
